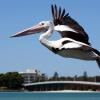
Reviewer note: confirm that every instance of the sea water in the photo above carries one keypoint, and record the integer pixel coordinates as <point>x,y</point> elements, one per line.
<point>49,96</point>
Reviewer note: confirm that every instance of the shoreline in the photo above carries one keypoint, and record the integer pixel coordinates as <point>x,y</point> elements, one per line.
<point>62,91</point>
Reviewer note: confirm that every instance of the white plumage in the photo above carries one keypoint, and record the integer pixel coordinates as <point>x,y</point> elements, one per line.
<point>74,42</point>
<point>63,28</point>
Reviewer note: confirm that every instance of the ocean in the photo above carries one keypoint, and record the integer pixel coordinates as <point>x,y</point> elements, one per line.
<point>49,96</point>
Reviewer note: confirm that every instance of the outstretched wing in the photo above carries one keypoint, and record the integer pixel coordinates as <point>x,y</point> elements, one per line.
<point>62,18</point>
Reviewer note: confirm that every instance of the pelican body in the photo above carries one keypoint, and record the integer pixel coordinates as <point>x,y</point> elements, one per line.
<point>74,42</point>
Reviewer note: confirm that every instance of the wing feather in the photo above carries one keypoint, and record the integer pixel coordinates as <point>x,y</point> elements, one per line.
<point>62,18</point>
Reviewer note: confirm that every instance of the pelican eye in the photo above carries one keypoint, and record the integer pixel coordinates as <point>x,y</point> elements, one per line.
<point>42,23</point>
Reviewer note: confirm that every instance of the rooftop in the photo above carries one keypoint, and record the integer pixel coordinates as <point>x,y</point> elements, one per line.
<point>63,82</point>
<point>31,70</point>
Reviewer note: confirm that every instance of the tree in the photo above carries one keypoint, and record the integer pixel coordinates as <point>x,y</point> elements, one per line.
<point>44,77</point>
<point>2,80</point>
<point>55,76</point>
<point>85,76</point>
<point>13,80</point>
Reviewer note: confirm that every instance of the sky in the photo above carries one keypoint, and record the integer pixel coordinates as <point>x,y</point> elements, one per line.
<point>19,54</point>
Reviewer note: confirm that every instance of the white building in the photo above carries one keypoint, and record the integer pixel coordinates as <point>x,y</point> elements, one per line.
<point>30,75</point>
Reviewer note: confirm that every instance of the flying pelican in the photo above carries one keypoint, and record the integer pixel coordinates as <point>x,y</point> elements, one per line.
<point>74,42</point>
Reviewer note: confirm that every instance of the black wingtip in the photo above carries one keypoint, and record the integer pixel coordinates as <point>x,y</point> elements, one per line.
<point>58,14</point>
<point>52,10</point>
<point>51,6</point>
<point>63,13</point>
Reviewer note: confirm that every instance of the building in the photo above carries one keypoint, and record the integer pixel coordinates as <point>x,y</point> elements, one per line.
<point>30,75</point>
<point>63,86</point>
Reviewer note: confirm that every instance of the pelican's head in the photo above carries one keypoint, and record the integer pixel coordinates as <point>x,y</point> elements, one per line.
<point>40,27</point>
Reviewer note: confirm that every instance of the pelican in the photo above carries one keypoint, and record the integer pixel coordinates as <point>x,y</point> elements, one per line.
<point>74,42</point>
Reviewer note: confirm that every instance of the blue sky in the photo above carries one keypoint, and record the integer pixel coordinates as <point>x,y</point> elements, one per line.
<point>18,54</point>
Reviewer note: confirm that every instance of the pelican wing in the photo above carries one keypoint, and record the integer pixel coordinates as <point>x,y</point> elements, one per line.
<point>62,18</point>
<point>75,46</point>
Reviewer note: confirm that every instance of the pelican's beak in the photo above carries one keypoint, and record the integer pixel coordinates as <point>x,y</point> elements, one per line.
<point>32,30</point>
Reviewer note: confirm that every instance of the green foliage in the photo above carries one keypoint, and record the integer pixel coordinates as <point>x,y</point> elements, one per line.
<point>11,80</point>
<point>84,77</point>
<point>14,80</point>
<point>2,80</point>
